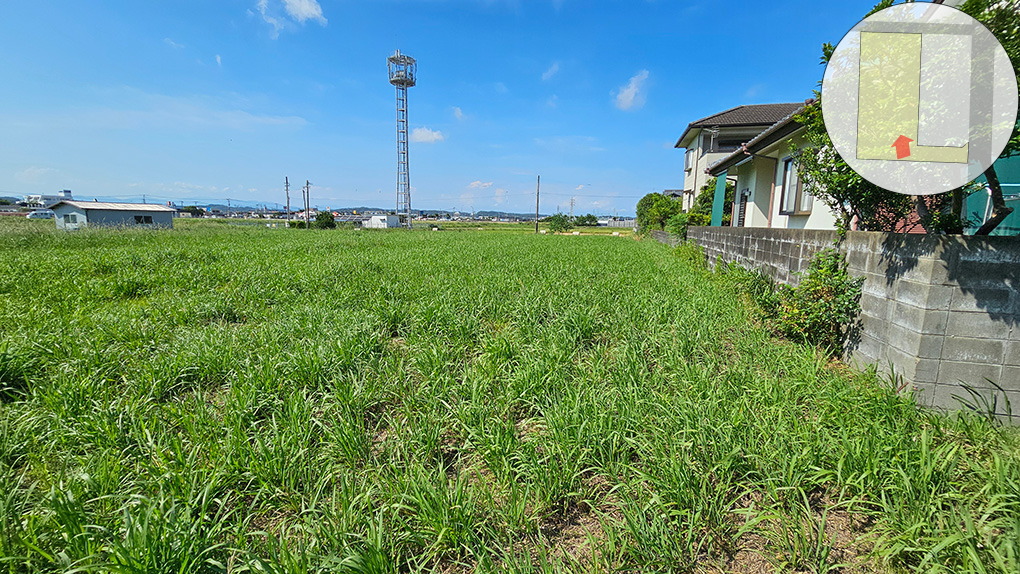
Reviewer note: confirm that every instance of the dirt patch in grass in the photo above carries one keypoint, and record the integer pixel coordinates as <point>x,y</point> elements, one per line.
<point>762,551</point>
<point>575,532</point>
<point>571,533</point>
<point>530,429</point>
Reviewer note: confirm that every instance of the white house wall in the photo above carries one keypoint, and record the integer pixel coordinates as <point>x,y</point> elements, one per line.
<point>761,191</point>
<point>695,178</point>
<point>821,217</point>
<point>755,175</point>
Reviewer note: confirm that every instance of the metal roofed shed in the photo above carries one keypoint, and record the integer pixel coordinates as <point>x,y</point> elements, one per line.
<point>79,214</point>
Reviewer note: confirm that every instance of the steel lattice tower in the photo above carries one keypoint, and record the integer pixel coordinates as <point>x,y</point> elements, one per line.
<point>403,71</point>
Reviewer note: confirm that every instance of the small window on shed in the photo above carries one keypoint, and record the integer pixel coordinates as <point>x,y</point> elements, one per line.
<point>143,219</point>
<point>70,218</point>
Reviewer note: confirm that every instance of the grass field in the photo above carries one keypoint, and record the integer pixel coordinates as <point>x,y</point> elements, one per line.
<point>228,399</point>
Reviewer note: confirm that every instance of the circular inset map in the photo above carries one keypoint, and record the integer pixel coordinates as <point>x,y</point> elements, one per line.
<point>919,98</point>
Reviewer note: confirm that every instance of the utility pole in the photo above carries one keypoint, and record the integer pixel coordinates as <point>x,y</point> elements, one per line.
<point>286,190</point>
<point>228,207</point>
<point>308,199</point>
<point>538,187</point>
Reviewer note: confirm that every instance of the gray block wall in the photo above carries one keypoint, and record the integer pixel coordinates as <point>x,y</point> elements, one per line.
<point>942,313</point>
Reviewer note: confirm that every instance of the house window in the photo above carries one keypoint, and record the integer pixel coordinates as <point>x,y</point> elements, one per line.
<point>689,159</point>
<point>794,200</point>
<point>806,199</point>
<point>70,218</point>
<point>143,220</point>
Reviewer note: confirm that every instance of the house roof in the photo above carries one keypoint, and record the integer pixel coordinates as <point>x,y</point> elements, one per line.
<point>779,130</point>
<point>741,116</point>
<point>106,206</point>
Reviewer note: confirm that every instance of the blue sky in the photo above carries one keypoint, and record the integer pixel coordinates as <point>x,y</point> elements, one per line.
<point>200,101</point>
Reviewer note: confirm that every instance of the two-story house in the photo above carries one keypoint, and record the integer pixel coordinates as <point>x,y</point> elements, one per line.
<point>712,138</point>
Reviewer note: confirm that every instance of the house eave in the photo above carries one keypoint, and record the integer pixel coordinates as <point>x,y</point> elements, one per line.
<point>782,130</point>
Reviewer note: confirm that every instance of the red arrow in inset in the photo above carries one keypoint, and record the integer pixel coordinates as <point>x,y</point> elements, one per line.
<point>902,145</point>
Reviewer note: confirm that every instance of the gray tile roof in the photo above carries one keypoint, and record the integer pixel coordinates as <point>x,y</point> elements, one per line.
<point>763,115</point>
<point>758,114</point>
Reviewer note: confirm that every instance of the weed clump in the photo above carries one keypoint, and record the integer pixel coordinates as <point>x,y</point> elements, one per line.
<point>823,309</point>
<point>692,254</point>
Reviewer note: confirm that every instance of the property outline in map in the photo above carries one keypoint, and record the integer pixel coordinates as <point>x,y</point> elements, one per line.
<point>919,98</point>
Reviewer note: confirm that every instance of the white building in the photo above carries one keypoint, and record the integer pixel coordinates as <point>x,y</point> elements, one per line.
<point>712,138</point>
<point>78,214</point>
<point>381,222</point>
<point>769,190</point>
<point>40,200</point>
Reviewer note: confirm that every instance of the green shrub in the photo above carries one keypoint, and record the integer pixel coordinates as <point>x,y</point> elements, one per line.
<point>698,219</point>
<point>677,224</point>
<point>654,210</point>
<point>559,223</point>
<point>324,220</point>
<point>823,309</point>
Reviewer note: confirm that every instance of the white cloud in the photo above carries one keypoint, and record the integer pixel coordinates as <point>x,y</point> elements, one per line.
<point>458,113</point>
<point>276,23</point>
<point>632,96</point>
<point>500,88</point>
<point>219,60</point>
<point>425,135</point>
<point>480,184</point>
<point>500,195</point>
<point>172,44</point>
<point>553,101</point>
<point>304,10</point>
<point>552,71</point>
<point>299,11</point>
<point>34,174</point>
<point>579,188</point>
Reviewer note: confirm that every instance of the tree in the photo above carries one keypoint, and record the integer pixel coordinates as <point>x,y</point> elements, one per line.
<point>655,209</point>
<point>559,223</point>
<point>324,220</point>
<point>852,197</point>
<point>701,210</point>
<point>587,220</point>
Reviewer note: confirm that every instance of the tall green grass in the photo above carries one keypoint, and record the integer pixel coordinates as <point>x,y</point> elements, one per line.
<point>220,399</point>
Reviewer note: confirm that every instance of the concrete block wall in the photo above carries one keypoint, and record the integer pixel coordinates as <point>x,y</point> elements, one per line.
<point>942,313</point>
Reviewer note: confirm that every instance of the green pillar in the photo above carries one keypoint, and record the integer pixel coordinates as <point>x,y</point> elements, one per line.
<point>719,200</point>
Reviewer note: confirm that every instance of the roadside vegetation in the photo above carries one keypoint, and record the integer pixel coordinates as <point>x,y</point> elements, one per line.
<point>226,399</point>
